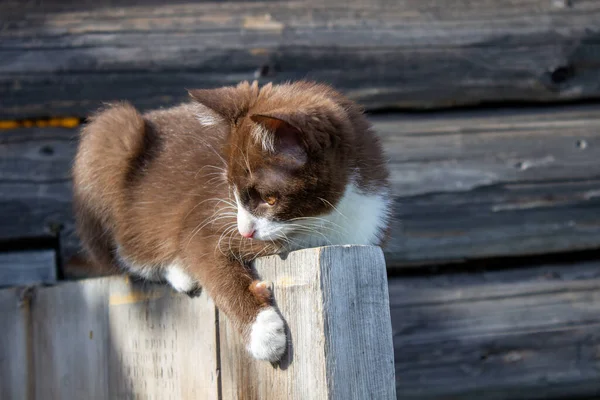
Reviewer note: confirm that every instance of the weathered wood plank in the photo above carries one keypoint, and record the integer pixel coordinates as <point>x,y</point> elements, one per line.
<point>21,268</point>
<point>107,339</point>
<point>526,333</point>
<point>493,183</point>
<point>35,186</point>
<point>14,356</point>
<point>335,303</point>
<point>467,184</point>
<point>530,332</point>
<point>71,341</point>
<point>57,58</point>
<point>173,354</point>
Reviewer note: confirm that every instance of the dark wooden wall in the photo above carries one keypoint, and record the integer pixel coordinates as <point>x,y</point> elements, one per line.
<point>63,57</point>
<point>493,265</point>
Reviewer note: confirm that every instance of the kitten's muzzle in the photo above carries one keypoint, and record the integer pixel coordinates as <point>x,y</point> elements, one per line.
<point>246,222</point>
<point>247,235</point>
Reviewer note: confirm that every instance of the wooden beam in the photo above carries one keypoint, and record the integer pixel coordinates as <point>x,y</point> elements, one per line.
<point>21,268</point>
<point>522,333</point>
<point>506,182</point>
<point>61,59</point>
<point>335,303</point>
<point>468,184</point>
<point>35,187</point>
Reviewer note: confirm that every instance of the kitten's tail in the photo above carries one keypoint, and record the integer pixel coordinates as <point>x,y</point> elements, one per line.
<point>108,143</point>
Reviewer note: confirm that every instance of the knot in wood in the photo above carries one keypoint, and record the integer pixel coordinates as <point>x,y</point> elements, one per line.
<point>561,74</point>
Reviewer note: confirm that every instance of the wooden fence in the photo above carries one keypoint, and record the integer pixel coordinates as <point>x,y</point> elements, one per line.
<point>108,339</point>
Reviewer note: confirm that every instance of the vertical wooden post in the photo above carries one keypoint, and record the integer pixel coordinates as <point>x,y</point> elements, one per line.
<point>336,306</point>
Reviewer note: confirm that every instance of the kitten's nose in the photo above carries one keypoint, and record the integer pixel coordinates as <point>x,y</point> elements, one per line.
<point>245,223</point>
<point>248,235</point>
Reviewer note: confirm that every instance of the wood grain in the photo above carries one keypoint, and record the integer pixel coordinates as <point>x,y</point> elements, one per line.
<point>109,338</point>
<point>35,186</point>
<point>21,268</point>
<point>173,354</point>
<point>335,303</point>
<point>468,184</point>
<point>106,339</point>
<point>15,363</point>
<point>62,59</point>
<point>529,332</point>
<point>524,333</point>
<point>492,183</point>
<point>71,341</point>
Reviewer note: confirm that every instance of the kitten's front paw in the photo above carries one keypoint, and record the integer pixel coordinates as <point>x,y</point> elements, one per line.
<point>262,291</point>
<point>267,336</point>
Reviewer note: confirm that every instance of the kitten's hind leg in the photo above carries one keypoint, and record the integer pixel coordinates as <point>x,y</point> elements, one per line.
<point>181,281</point>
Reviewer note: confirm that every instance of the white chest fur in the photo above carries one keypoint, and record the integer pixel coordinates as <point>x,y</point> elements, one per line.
<point>358,218</point>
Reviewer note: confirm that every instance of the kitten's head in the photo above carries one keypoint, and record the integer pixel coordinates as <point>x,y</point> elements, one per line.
<point>289,152</point>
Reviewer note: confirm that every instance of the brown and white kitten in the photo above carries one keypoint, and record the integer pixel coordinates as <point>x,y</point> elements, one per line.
<point>191,194</point>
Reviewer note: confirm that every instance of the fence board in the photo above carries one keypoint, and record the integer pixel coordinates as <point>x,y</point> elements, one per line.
<point>14,356</point>
<point>71,341</point>
<point>58,59</point>
<point>173,353</point>
<point>335,303</point>
<point>493,183</point>
<point>527,333</point>
<point>20,268</point>
<point>106,339</point>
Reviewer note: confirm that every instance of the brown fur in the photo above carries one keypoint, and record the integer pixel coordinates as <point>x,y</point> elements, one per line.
<point>154,189</point>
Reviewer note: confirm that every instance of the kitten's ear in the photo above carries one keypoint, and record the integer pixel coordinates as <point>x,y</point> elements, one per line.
<point>224,101</point>
<point>282,138</point>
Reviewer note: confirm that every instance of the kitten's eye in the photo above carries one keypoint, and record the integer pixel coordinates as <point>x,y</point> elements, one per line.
<point>270,200</point>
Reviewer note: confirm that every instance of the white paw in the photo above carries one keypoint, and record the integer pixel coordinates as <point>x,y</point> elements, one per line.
<point>267,337</point>
<point>178,279</point>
